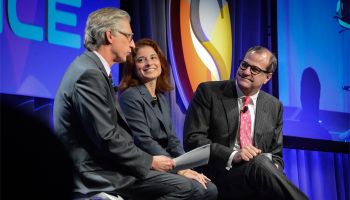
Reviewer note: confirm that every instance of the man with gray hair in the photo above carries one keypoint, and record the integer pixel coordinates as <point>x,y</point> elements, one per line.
<point>88,119</point>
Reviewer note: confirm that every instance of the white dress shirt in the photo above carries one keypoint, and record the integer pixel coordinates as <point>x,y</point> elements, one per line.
<point>104,63</point>
<point>252,110</point>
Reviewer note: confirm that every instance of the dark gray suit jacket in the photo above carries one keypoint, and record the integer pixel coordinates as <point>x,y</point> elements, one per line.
<point>213,117</point>
<point>151,125</point>
<point>89,122</point>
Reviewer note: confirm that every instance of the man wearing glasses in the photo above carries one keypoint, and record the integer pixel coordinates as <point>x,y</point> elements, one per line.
<point>88,120</point>
<point>244,127</point>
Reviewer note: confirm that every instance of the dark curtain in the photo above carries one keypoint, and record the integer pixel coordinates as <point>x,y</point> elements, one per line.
<point>148,19</point>
<point>253,23</point>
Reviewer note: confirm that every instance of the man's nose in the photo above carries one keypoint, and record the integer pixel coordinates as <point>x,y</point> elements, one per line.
<point>247,70</point>
<point>132,43</point>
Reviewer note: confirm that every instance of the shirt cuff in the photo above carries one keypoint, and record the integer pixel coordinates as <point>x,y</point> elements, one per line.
<point>230,159</point>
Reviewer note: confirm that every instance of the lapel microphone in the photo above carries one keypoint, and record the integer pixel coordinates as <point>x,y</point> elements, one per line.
<point>154,101</point>
<point>245,109</point>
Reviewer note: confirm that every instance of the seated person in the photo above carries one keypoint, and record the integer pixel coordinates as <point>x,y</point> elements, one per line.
<point>143,86</point>
<point>244,127</point>
<point>90,123</point>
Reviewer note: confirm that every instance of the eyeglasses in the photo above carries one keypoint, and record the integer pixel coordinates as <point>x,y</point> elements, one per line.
<point>253,69</point>
<point>127,35</point>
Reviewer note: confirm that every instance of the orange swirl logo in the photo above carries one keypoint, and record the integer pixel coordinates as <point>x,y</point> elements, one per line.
<point>200,43</point>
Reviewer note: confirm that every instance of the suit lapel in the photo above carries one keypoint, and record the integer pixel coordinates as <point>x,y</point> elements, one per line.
<point>229,101</point>
<point>260,118</point>
<point>145,95</point>
<point>99,64</point>
<point>165,109</point>
<point>161,100</point>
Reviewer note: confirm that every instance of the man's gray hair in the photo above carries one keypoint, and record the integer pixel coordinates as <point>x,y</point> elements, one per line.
<point>272,66</point>
<point>101,21</point>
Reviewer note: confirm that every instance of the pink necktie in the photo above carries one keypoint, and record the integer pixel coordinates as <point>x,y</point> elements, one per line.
<point>245,127</point>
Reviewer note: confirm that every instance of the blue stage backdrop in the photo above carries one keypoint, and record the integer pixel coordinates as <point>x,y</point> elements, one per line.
<point>39,39</point>
<point>314,68</point>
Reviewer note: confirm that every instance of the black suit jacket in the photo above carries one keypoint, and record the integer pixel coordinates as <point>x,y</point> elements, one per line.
<point>89,122</point>
<point>150,124</point>
<point>213,117</point>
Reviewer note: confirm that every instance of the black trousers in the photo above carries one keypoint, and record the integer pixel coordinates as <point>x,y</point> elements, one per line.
<point>256,179</point>
<point>169,186</point>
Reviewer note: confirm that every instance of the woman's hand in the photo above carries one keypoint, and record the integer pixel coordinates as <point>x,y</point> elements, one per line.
<point>191,174</point>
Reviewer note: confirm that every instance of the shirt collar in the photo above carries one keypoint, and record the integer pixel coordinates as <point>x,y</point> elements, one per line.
<point>104,63</point>
<point>240,95</point>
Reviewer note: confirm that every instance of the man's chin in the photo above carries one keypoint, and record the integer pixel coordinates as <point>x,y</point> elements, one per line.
<point>120,60</point>
<point>244,83</point>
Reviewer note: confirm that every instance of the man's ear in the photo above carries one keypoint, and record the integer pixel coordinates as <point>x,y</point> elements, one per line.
<point>109,36</point>
<point>268,77</point>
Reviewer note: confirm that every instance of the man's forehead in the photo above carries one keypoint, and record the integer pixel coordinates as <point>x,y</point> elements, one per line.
<point>260,59</point>
<point>125,25</point>
<point>262,54</point>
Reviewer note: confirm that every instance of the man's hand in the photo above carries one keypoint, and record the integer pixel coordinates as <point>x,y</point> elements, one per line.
<point>162,163</point>
<point>246,154</point>
<point>191,174</point>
